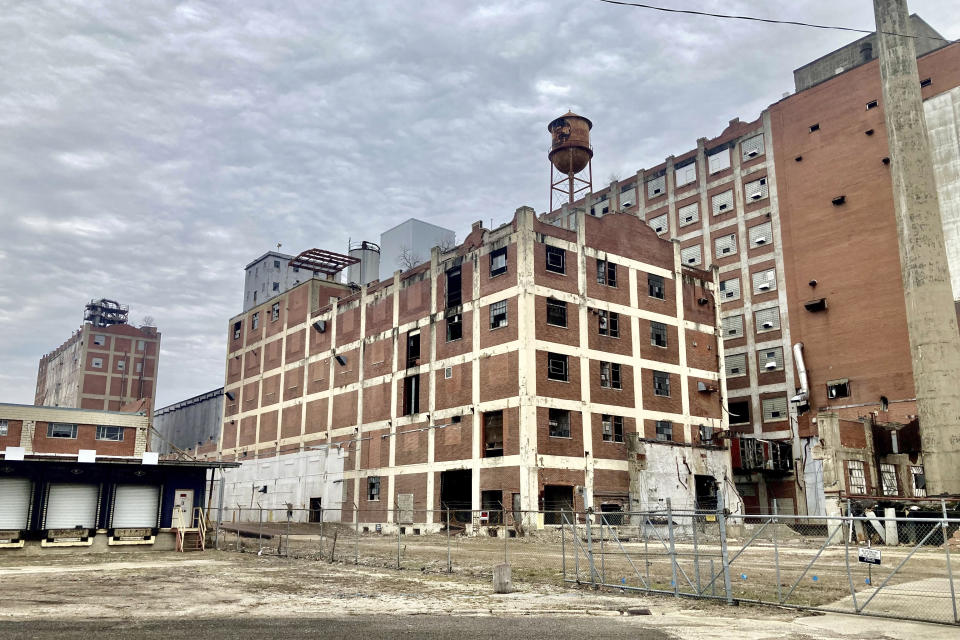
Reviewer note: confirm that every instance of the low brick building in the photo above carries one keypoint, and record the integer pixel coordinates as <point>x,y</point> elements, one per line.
<point>515,370</point>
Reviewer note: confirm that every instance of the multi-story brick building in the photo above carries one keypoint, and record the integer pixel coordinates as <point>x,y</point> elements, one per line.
<point>515,369</point>
<point>795,210</point>
<point>104,365</point>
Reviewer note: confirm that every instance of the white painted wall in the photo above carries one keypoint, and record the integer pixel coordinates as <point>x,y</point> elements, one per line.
<point>293,477</point>
<point>943,128</point>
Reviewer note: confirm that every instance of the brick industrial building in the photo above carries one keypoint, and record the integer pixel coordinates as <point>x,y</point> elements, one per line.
<point>796,211</point>
<point>103,365</point>
<point>523,367</point>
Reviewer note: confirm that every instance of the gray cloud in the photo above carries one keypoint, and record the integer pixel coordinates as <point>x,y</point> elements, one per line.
<point>148,150</point>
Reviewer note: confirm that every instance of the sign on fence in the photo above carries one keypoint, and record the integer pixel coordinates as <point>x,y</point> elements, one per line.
<point>868,555</point>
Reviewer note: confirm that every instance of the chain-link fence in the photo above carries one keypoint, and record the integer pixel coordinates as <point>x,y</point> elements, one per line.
<point>898,567</point>
<point>894,566</point>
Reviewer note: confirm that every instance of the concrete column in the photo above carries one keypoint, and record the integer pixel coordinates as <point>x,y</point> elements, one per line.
<point>931,318</point>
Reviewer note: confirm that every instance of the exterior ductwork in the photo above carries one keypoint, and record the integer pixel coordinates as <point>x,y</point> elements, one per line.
<point>804,392</point>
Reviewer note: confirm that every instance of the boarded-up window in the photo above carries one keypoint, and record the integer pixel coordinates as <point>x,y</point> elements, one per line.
<point>601,207</point>
<point>752,147</point>
<point>756,190</point>
<point>688,214</point>
<point>722,202</point>
<point>768,319</point>
<point>628,197</point>
<point>730,290</point>
<point>656,187</point>
<point>659,224</point>
<point>732,327</point>
<point>888,478</point>
<point>764,281</point>
<point>718,161</point>
<point>725,245</point>
<point>686,174</point>
<point>856,479</point>
<point>774,409</point>
<point>735,365</point>
<point>761,235</point>
<point>691,255</point>
<point>770,359</point>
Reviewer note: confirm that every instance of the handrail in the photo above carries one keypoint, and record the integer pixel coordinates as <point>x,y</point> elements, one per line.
<point>180,526</point>
<point>201,526</point>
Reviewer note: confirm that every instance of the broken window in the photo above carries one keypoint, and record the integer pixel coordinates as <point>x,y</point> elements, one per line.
<point>838,389</point>
<point>413,348</point>
<point>919,482</point>
<point>606,273</point>
<point>655,286</point>
<point>612,428</point>
<point>658,334</point>
<point>661,384</point>
<point>454,327</point>
<point>373,488</point>
<point>236,330</point>
<point>275,312</point>
<point>608,323</point>
<point>857,480</point>
<point>557,367</point>
<point>739,411</point>
<point>610,375</point>
<point>498,314</point>
<point>493,434</point>
<point>498,262</point>
<point>664,430</point>
<point>556,259</point>
<point>255,321</point>
<point>888,478</point>
<point>411,395</point>
<point>556,312</point>
<point>559,423</point>
<point>454,293</point>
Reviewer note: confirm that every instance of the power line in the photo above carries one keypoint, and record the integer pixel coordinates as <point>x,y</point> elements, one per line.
<point>638,5</point>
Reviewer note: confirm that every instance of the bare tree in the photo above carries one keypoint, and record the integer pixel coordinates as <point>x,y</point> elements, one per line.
<point>447,244</point>
<point>148,321</point>
<point>408,259</point>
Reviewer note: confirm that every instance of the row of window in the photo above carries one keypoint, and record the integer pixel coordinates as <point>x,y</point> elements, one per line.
<point>889,485</point>
<point>558,368</point>
<point>720,204</point>
<point>774,410</point>
<point>69,431</point>
<point>99,340</point>
<point>97,363</point>
<point>764,320</point>
<point>768,360</point>
<point>718,160</point>
<point>763,282</point>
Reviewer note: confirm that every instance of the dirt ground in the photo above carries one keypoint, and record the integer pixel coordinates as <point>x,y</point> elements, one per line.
<point>143,588</point>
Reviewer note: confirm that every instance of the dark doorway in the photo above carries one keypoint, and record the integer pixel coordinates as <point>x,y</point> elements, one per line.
<point>492,503</point>
<point>413,349</point>
<point>455,494</point>
<point>316,509</point>
<point>556,500</point>
<point>706,493</point>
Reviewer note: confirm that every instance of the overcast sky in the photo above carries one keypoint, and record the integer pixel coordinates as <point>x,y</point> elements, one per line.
<point>150,149</point>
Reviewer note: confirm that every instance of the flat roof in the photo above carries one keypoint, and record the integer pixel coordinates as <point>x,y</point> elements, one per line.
<point>125,460</point>
<point>275,254</point>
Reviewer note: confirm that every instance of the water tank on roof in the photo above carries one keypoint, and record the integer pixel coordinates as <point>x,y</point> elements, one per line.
<point>368,269</point>
<point>570,143</point>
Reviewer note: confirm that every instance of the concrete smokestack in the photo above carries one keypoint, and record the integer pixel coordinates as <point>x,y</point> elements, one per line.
<point>931,318</point>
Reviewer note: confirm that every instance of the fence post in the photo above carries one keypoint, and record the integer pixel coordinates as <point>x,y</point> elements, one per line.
<point>603,558</point>
<point>946,549</point>
<point>563,547</point>
<point>321,529</point>
<point>673,551</point>
<point>724,556</point>
<point>449,557</point>
<point>776,550</point>
<point>260,530</point>
<point>397,520</point>
<point>589,520</point>
<point>846,556</point>
<point>696,552</point>
<point>356,535</point>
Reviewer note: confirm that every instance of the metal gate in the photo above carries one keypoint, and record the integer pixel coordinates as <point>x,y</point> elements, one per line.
<point>890,566</point>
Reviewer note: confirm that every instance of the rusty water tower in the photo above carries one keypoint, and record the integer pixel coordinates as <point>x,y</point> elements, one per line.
<point>570,153</point>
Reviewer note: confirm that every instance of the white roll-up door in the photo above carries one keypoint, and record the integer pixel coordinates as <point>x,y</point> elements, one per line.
<point>72,505</point>
<point>135,505</point>
<point>14,503</point>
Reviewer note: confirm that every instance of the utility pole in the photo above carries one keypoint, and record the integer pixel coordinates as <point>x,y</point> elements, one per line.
<point>931,318</point>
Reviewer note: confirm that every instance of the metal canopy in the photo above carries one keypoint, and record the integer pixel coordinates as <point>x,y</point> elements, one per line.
<point>325,262</point>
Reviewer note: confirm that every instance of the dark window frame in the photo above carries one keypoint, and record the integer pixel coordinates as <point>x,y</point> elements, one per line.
<point>606,273</point>
<point>559,256</point>
<point>661,384</point>
<point>373,488</point>
<point>655,286</point>
<point>560,372</point>
<point>104,432</point>
<point>608,323</point>
<point>615,432</point>
<point>610,375</point>
<point>556,309</point>
<point>558,423</point>
<point>454,327</point>
<point>498,311</point>
<point>658,334</point>
<point>494,270</point>
<point>664,430</point>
